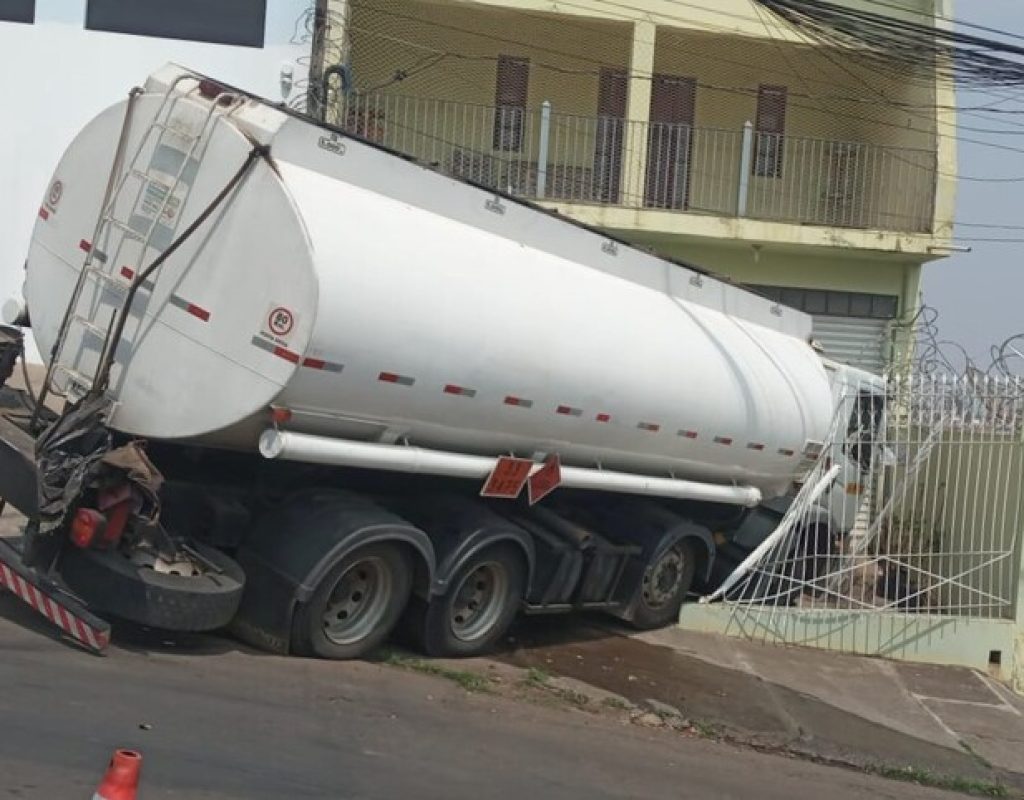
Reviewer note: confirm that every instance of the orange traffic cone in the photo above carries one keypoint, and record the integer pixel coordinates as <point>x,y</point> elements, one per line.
<point>121,780</point>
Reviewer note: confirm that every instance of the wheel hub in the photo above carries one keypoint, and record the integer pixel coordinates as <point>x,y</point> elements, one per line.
<point>181,565</point>
<point>358,601</point>
<point>478,601</point>
<point>662,579</point>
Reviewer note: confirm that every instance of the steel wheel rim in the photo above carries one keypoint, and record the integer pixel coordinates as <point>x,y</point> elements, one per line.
<point>357,602</point>
<point>478,601</point>
<point>662,578</point>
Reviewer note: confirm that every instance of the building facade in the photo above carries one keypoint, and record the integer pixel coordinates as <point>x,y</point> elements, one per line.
<point>710,132</point>
<point>64,61</point>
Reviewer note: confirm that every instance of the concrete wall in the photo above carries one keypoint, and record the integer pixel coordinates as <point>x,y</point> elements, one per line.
<point>734,17</point>
<point>861,149</point>
<point>387,36</point>
<point>811,268</point>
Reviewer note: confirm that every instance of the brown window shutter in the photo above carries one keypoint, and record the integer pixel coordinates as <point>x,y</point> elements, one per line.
<point>770,127</point>
<point>510,94</point>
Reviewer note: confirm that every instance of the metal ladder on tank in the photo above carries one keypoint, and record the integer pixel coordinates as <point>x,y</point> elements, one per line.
<point>100,267</point>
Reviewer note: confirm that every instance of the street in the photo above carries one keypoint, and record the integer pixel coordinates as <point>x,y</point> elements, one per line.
<point>216,720</point>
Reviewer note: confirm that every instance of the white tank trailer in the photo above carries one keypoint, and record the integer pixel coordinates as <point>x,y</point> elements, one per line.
<point>245,285</point>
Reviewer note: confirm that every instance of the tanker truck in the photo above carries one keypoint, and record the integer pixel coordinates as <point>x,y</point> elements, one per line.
<point>309,388</point>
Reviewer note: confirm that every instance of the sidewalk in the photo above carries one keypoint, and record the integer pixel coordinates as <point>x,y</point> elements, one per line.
<point>859,711</point>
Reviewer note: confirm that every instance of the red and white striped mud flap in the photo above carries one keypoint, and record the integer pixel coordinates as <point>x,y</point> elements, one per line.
<point>49,600</point>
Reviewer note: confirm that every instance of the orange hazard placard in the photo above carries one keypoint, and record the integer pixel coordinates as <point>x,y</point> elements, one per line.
<point>545,480</point>
<point>507,478</point>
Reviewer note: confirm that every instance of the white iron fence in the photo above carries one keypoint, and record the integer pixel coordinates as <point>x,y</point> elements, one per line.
<point>924,519</point>
<point>546,155</point>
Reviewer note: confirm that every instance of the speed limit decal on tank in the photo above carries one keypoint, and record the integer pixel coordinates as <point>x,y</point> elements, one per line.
<point>53,197</point>
<point>279,323</point>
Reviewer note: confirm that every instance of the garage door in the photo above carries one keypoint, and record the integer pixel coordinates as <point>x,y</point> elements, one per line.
<point>853,327</point>
<point>856,341</point>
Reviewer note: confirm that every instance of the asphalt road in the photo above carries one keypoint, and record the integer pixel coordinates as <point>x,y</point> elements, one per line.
<point>227,722</point>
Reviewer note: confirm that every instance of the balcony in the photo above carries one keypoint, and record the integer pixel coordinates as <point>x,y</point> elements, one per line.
<point>567,159</point>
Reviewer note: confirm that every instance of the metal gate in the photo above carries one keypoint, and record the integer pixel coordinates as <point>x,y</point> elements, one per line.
<point>928,563</point>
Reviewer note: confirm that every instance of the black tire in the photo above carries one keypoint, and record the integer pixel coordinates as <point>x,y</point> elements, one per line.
<point>112,584</point>
<point>448,625</point>
<point>665,582</point>
<point>381,575</point>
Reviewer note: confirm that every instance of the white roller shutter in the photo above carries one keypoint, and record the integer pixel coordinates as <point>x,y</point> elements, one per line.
<point>856,341</point>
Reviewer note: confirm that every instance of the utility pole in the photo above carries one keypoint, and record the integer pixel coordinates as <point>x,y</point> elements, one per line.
<point>329,57</point>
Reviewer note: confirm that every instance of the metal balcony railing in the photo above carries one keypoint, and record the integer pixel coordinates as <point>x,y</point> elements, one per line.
<point>544,155</point>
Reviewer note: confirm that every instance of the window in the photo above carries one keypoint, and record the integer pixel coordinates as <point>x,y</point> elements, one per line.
<point>237,22</point>
<point>18,10</point>
<point>833,303</point>
<point>770,131</point>
<point>510,92</point>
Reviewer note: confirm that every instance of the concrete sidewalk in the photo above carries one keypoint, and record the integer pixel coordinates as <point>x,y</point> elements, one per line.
<point>859,711</point>
<point>952,707</point>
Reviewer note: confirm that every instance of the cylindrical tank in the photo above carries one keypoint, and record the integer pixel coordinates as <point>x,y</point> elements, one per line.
<point>379,300</point>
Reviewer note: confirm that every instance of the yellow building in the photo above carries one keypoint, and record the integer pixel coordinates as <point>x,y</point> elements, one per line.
<point>711,131</point>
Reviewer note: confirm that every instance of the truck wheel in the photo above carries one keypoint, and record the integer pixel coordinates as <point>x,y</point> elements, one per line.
<point>482,599</point>
<point>180,597</point>
<point>356,604</point>
<point>664,585</point>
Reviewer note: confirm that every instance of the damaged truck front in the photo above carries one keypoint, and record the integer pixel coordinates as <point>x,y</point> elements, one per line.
<point>77,486</point>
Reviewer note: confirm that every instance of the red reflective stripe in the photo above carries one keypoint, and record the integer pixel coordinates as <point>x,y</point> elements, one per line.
<point>53,609</point>
<point>313,363</point>
<point>40,600</point>
<point>65,619</point>
<point>287,355</point>
<point>603,417</point>
<point>567,410</point>
<point>388,377</point>
<point>127,272</point>
<point>649,426</point>
<point>198,311</point>
<point>723,440</point>
<point>512,400</point>
<point>688,434</point>
<point>85,245</point>
<point>44,213</point>
<point>80,631</point>
<point>755,446</point>
<point>785,451</point>
<point>23,591</point>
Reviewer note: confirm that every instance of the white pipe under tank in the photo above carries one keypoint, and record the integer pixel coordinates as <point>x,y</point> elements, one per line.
<point>292,446</point>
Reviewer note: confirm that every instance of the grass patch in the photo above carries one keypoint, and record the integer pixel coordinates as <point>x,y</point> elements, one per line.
<point>954,783</point>
<point>704,729</point>
<point>617,703</point>
<point>470,681</point>
<point>570,696</point>
<point>536,677</point>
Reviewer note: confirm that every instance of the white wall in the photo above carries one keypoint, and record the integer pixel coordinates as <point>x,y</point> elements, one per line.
<point>55,76</point>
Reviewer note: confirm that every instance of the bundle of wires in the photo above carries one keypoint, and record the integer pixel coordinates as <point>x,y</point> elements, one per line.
<point>891,36</point>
